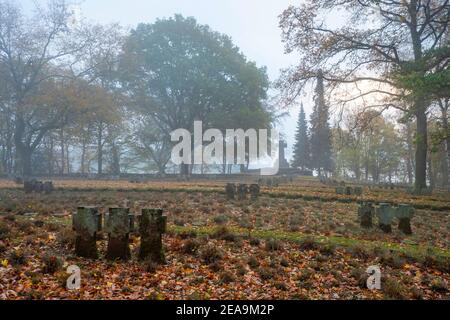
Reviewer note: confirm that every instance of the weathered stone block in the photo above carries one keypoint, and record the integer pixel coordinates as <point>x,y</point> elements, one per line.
<point>152,224</point>
<point>358,191</point>
<point>404,214</point>
<point>340,190</point>
<point>242,191</point>
<point>48,187</point>
<point>230,190</point>
<point>118,225</point>
<point>385,215</point>
<point>86,222</point>
<point>366,211</point>
<point>348,191</point>
<point>254,191</point>
<point>38,186</point>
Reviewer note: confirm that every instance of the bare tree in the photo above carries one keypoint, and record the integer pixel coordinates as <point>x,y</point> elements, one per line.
<point>36,51</point>
<point>380,39</point>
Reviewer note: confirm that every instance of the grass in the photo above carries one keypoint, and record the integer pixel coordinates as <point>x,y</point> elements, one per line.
<point>220,190</point>
<point>415,252</point>
<point>418,253</point>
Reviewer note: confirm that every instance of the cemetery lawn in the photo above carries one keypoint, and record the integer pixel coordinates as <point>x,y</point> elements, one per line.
<point>297,241</point>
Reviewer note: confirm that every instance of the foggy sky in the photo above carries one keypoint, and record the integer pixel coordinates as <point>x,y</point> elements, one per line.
<point>252,24</point>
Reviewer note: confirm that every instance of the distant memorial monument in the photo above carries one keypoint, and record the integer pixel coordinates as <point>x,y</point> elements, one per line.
<point>284,164</point>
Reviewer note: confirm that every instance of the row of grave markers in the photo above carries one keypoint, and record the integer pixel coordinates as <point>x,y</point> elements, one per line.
<point>241,191</point>
<point>118,224</point>
<point>386,215</point>
<point>349,190</point>
<point>38,186</point>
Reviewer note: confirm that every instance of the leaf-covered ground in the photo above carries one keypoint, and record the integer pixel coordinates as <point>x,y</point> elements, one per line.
<point>272,248</point>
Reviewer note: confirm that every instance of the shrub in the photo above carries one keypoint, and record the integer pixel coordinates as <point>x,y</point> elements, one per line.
<point>393,289</point>
<point>360,276</point>
<point>220,219</point>
<point>18,257</point>
<point>150,266</point>
<point>10,218</point>
<point>223,233</point>
<point>295,220</point>
<point>216,266</point>
<point>53,227</point>
<point>438,285</point>
<point>191,246</point>
<point>328,249</point>
<point>24,226</point>
<point>280,285</point>
<point>211,254</point>
<point>253,263</point>
<point>245,223</point>
<point>61,278</point>
<point>188,234</point>
<point>241,270</point>
<point>220,232</point>
<point>2,247</point>
<point>179,222</point>
<point>39,223</point>
<point>66,237</point>
<point>227,277</point>
<point>321,258</point>
<point>52,264</point>
<point>417,294</point>
<point>231,237</point>
<point>33,295</point>
<point>284,262</point>
<point>5,230</point>
<point>305,275</point>
<point>266,273</point>
<point>359,251</point>
<point>255,242</point>
<point>392,260</point>
<point>308,243</point>
<point>177,210</point>
<point>273,245</point>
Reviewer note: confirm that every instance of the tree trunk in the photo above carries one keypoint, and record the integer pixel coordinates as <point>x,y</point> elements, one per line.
<point>23,153</point>
<point>410,160</point>
<point>100,150</point>
<point>63,158</point>
<point>50,157</point>
<point>115,160</point>
<point>68,159</point>
<point>421,147</point>
<point>446,158</point>
<point>431,176</point>
<point>25,158</point>
<point>83,157</point>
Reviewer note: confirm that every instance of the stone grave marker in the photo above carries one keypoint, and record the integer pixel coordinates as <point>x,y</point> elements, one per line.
<point>366,211</point>
<point>242,191</point>
<point>152,225</point>
<point>358,191</point>
<point>230,190</point>
<point>254,191</point>
<point>385,215</point>
<point>86,222</point>
<point>348,191</point>
<point>118,224</point>
<point>340,190</point>
<point>404,213</point>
